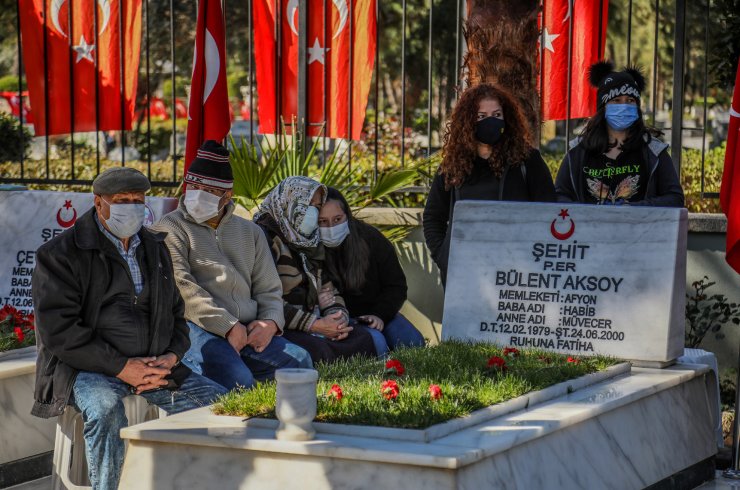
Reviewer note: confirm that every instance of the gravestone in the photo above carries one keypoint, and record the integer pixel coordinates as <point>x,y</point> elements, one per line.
<point>569,278</point>
<point>32,218</point>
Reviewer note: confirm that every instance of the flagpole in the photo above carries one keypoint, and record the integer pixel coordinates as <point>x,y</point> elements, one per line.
<point>729,180</point>
<point>301,123</point>
<point>678,84</point>
<point>734,471</point>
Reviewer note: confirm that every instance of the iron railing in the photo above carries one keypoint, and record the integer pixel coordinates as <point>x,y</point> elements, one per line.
<point>426,92</point>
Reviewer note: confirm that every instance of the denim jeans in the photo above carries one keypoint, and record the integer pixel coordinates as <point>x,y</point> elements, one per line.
<point>99,398</point>
<point>397,332</point>
<point>213,357</point>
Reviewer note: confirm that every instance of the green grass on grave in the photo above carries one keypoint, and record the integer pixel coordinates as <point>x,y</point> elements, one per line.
<point>459,369</point>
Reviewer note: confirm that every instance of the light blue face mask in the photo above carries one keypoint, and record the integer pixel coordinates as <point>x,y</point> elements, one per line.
<point>621,116</point>
<point>310,222</point>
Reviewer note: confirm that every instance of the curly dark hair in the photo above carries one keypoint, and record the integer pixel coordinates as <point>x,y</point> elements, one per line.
<point>460,146</point>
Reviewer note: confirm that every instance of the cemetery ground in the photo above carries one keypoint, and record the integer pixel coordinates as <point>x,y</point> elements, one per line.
<point>445,382</point>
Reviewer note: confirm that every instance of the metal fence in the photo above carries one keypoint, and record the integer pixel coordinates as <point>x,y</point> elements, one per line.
<point>419,47</point>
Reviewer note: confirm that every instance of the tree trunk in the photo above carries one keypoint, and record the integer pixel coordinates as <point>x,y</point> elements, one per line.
<point>502,40</point>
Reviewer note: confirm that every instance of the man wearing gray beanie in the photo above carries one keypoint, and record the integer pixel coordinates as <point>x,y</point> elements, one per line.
<point>227,277</point>
<point>110,323</point>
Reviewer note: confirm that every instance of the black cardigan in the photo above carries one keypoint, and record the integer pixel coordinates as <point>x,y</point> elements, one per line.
<point>533,182</point>
<point>384,291</point>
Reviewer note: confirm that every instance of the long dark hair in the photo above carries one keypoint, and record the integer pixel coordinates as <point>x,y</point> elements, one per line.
<point>348,263</point>
<point>595,136</point>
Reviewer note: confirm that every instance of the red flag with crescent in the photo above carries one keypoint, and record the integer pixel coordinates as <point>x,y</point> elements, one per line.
<point>81,64</point>
<point>587,47</point>
<point>13,99</point>
<point>208,109</point>
<point>350,29</point>
<point>729,195</point>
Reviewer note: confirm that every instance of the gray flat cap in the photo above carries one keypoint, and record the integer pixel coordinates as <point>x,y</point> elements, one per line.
<point>120,179</point>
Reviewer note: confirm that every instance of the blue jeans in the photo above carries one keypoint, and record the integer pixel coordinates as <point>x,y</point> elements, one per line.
<point>99,398</point>
<point>397,332</point>
<point>213,357</point>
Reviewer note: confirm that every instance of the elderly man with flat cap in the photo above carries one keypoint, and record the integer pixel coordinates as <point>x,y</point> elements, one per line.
<point>226,275</point>
<point>110,323</point>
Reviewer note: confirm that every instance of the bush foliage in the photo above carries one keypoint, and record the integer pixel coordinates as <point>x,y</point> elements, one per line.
<point>360,171</point>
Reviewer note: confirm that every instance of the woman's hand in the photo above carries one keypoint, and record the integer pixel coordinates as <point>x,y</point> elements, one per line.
<point>326,297</point>
<point>373,321</point>
<point>332,326</point>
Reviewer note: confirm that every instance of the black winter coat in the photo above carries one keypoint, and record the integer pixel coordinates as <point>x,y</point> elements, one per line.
<point>663,187</point>
<point>72,274</point>
<point>385,289</point>
<point>530,182</point>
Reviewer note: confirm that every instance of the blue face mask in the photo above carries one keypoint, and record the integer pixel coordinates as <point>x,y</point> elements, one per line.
<point>310,221</point>
<point>621,116</point>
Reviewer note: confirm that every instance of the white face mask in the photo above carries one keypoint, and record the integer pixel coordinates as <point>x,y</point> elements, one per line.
<point>201,205</point>
<point>310,221</point>
<point>125,219</point>
<point>333,236</point>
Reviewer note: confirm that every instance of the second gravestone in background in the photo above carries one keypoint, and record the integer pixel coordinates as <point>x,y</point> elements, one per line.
<point>574,278</point>
<point>32,218</point>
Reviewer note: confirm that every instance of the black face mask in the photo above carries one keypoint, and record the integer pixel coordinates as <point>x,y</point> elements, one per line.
<point>489,130</point>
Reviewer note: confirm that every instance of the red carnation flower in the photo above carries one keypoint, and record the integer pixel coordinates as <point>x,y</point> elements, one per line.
<point>7,311</point>
<point>335,392</point>
<point>389,389</point>
<point>19,334</point>
<point>31,321</point>
<point>19,318</point>
<point>574,360</point>
<point>435,392</point>
<point>511,352</point>
<point>497,363</point>
<point>394,366</point>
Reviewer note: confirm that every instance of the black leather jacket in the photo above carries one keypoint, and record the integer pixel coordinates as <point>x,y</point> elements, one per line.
<point>72,275</point>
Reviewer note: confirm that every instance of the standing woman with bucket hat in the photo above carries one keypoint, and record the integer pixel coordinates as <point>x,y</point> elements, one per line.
<point>618,160</point>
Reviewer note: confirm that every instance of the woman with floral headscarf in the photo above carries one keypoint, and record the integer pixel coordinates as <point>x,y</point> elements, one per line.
<point>289,216</point>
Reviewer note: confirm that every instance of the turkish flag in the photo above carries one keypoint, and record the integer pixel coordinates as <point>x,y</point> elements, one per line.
<point>350,22</point>
<point>14,103</point>
<point>729,195</point>
<point>157,110</point>
<point>69,86</point>
<point>589,38</point>
<point>181,110</point>
<point>244,110</point>
<point>208,109</point>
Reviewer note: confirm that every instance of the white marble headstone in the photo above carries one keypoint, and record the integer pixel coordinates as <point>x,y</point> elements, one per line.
<point>569,278</point>
<point>31,218</point>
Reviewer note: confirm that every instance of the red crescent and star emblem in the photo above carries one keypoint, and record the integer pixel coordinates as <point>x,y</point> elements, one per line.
<point>66,223</point>
<point>563,236</point>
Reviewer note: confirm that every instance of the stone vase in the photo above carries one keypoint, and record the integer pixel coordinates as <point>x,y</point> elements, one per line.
<point>296,403</point>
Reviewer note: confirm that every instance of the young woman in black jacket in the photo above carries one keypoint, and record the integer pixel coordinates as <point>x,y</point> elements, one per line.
<point>488,154</point>
<point>365,268</point>
<point>617,159</point>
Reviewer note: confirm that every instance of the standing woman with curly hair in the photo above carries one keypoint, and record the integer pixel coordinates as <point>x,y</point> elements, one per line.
<point>487,155</point>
